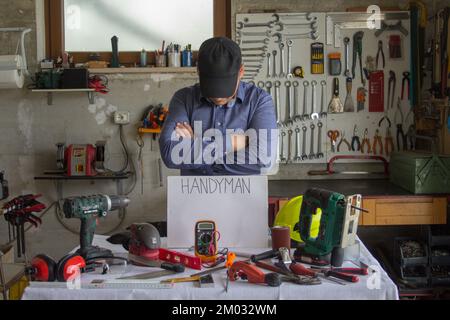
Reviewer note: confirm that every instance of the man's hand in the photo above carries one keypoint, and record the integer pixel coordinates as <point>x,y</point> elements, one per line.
<point>184,130</point>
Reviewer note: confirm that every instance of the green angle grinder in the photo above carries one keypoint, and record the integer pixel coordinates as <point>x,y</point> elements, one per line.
<point>88,209</point>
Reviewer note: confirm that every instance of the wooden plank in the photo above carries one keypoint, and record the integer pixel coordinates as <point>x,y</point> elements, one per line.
<point>142,70</point>
<point>403,220</point>
<point>404,209</point>
<point>440,211</point>
<point>368,219</point>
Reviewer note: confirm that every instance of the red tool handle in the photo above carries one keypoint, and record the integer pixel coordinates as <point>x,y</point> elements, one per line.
<point>360,271</point>
<point>342,276</point>
<point>300,270</point>
<point>253,274</point>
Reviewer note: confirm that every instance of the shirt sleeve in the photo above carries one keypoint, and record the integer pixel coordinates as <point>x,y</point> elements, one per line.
<point>184,154</point>
<point>260,155</point>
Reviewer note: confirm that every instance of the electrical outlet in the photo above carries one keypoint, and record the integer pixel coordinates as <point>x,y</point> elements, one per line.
<point>122,117</point>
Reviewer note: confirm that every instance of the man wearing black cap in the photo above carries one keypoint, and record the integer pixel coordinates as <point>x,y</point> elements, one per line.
<point>221,126</point>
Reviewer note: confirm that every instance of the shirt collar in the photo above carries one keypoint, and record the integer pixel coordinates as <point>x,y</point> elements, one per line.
<point>239,95</point>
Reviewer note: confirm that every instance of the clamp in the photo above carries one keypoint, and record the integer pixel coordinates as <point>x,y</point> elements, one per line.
<point>357,54</point>
<point>377,141</point>
<point>356,143</point>
<point>388,142</point>
<point>391,89</point>
<point>380,53</point>
<point>366,141</point>
<point>343,140</point>
<point>406,82</point>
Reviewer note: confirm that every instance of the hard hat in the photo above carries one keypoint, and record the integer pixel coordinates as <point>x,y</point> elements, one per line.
<point>289,216</point>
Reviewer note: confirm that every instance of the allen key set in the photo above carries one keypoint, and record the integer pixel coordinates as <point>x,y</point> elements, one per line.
<point>321,86</point>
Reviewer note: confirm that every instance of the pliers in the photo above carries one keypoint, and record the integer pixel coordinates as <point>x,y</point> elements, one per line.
<point>377,141</point>
<point>343,140</point>
<point>357,53</point>
<point>380,53</point>
<point>366,141</point>
<point>391,89</point>
<point>388,142</point>
<point>401,137</point>
<point>356,143</point>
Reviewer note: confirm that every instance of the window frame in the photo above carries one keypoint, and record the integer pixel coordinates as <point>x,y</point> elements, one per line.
<point>54,33</point>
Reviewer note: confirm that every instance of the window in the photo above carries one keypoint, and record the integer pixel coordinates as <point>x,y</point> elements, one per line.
<point>89,25</point>
<point>84,26</point>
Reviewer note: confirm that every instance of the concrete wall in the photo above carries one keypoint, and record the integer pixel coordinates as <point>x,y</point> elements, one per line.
<point>29,128</point>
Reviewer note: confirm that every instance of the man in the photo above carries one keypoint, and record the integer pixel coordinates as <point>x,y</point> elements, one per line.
<point>221,126</point>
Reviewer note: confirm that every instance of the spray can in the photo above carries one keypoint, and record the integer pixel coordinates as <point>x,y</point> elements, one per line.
<point>186,58</point>
<point>143,58</point>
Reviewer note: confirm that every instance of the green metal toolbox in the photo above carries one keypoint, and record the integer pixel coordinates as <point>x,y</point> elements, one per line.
<point>420,172</point>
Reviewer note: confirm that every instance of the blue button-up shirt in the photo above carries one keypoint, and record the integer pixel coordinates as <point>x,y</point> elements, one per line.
<point>252,108</point>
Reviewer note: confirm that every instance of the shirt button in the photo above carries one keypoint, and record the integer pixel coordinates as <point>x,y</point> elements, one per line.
<point>219,124</point>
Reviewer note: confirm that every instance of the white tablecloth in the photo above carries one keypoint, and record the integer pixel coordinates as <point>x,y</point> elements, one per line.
<point>375,287</point>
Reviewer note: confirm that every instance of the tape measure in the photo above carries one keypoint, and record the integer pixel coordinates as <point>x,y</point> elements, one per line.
<point>298,72</point>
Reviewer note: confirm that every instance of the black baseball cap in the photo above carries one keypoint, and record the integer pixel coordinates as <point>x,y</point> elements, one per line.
<point>219,62</point>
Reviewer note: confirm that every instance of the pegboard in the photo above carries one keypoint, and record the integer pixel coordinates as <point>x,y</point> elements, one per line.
<point>301,51</point>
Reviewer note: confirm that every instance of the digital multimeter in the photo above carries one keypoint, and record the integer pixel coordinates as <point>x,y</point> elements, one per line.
<point>206,241</point>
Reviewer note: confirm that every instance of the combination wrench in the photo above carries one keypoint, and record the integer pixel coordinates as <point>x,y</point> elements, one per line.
<point>289,120</point>
<point>263,41</point>
<point>289,156</point>
<point>304,155</point>
<point>274,71</point>
<point>297,115</point>
<point>314,114</point>
<point>319,154</point>
<point>241,25</point>
<point>289,43</point>
<point>263,48</point>
<point>323,113</point>
<point>277,103</point>
<point>307,35</point>
<point>312,155</point>
<point>305,115</point>
<point>282,72</point>
<point>267,34</point>
<point>297,157</point>
<point>269,87</point>
<point>347,57</point>
<point>269,64</point>
<point>281,157</point>
<point>296,16</point>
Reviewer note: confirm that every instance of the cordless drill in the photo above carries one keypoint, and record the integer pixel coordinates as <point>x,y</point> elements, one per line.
<point>88,209</point>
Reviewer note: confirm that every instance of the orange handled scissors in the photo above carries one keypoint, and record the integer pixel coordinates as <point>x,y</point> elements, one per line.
<point>333,135</point>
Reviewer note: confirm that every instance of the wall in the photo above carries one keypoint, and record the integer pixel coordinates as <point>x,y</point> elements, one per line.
<point>29,129</point>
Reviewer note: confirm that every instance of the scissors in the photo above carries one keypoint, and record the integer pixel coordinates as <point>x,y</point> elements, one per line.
<point>333,135</point>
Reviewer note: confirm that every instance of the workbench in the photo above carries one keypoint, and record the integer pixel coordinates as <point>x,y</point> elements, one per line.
<point>387,203</point>
<point>239,290</point>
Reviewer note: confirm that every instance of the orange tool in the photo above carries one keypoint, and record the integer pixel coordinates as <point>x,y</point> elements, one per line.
<point>253,274</point>
<point>365,142</point>
<point>231,256</point>
<point>333,135</point>
<point>377,141</point>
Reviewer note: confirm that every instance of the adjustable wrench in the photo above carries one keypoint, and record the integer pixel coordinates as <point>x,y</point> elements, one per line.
<point>305,115</point>
<point>347,56</point>
<point>319,154</point>
<point>289,120</point>
<point>289,157</point>
<point>282,73</point>
<point>314,114</point>
<point>297,157</point>
<point>277,103</point>
<point>304,155</point>
<point>282,158</point>
<point>289,43</point>
<point>269,64</point>
<point>312,155</point>
<point>323,113</point>
<point>297,115</point>
<point>274,71</point>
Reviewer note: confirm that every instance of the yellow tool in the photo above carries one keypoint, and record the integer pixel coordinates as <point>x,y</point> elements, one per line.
<point>179,280</point>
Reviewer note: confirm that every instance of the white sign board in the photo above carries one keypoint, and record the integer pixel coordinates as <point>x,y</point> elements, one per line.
<point>238,206</point>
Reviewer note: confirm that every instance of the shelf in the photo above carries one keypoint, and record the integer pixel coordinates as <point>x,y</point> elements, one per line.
<point>145,130</point>
<point>190,70</point>
<point>50,92</point>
